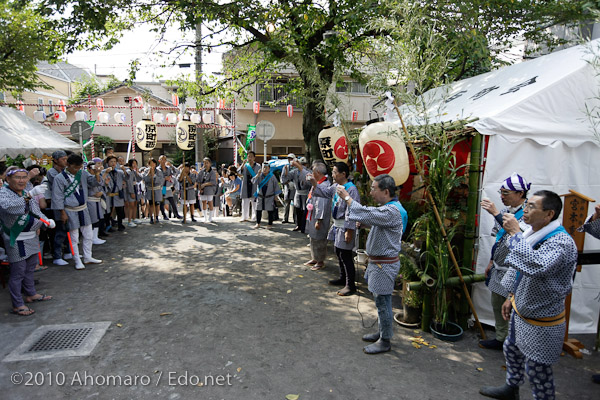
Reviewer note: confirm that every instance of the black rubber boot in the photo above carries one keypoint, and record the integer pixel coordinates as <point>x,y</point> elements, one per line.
<point>338,282</point>
<point>371,337</point>
<point>380,346</point>
<point>504,392</point>
<point>491,344</point>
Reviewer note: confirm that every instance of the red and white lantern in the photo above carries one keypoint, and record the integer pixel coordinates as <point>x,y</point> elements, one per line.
<point>60,116</point>
<point>221,103</point>
<point>20,106</point>
<point>333,145</point>
<point>138,101</point>
<point>256,107</point>
<point>62,106</point>
<point>384,152</point>
<point>290,110</point>
<point>354,115</point>
<point>100,104</point>
<point>175,99</point>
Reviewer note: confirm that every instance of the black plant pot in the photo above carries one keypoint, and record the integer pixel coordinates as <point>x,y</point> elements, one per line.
<point>450,333</point>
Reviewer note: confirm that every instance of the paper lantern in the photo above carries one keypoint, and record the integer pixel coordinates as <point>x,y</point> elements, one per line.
<point>196,118</point>
<point>256,107</point>
<point>100,104</point>
<point>171,118</point>
<point>145,135</point>
<point>175,99</point>
<point>81,116</point>
<point>20,106</point>
<point>119,118</point>
<point>354,115</point>
<point>103,117</point>
<point>333,145</point>
<point>207,119</point>
<point>138,101</point>
<point>39,116</point>
<point>62,106</point>
<point>158,117</point>
<point>384,152</point>
<point>60,116</point>
<point>186,135</point>
<point>290,110</point>
<point>221,103</point>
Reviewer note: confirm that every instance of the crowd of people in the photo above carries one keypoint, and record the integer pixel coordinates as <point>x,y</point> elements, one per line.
<point>529,274</point>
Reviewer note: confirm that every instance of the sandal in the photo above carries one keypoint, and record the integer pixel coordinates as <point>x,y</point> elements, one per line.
<point>42,298</point>
<point>310,263</point>
<point>23,312</point>
<point>40,268</point>
<point>317,267</point>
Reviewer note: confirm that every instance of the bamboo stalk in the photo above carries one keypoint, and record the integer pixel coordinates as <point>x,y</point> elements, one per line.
<point>451,282</point>
<point>441,224</point>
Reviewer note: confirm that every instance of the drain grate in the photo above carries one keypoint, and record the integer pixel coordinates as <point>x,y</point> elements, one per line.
<point>67,340</point>
<point>61,339</point>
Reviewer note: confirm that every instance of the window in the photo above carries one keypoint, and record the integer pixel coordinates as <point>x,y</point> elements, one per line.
<point>352,87</point>
<point>275,94</point>
<point>50,107</point>
<point>40,104</point>
<point>279,150</point>
<point>298,151</point>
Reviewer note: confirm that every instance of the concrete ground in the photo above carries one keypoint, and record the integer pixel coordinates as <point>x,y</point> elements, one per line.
<point>244,320</point>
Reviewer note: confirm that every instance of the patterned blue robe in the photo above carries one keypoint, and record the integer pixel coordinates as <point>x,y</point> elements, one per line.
<point>78,198</point>
<point>12,206</point>
<point>321,211</point>
<point>340,211</point>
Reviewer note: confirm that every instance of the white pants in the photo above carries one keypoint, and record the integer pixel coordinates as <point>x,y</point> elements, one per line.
<point>86,232</point>
<point>246,209</point>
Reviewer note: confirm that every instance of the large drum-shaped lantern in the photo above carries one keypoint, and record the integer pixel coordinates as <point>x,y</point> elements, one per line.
<point>332,143</point>
<point>145,135</point>
<point>384,152</point>
<point>186,135</point>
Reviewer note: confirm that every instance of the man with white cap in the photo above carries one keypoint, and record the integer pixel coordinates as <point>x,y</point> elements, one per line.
<point>513,193</point>
<point>289,191</point>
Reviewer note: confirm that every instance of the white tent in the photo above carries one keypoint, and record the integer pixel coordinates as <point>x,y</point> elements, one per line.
<point>20,134</point>
<point>534,115</point>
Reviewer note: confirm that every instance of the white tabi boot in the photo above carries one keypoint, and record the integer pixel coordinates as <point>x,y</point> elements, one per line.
<point>95,238</point>
<point>210,215</point>
<point>87,246</point>
<point>205,215</point>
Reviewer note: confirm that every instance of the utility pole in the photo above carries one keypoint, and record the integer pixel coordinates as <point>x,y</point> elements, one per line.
<point>199,145</point>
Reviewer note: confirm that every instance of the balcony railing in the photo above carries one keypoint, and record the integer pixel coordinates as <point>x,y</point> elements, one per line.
<point>274,95</point>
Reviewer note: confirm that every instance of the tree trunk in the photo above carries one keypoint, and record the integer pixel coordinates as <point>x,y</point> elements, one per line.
<point>313,121</point>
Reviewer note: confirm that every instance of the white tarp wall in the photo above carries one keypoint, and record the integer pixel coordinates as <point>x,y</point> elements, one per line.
<point>534,113</point>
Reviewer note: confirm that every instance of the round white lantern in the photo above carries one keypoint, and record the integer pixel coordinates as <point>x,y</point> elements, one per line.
<point>185,135</point>
<point>39,116</point>
<point>60,116</point>
<point>384,152</point>
<point>119,118</point>
<point>158,117</point>
<point>196,118</point>
<point>146,135</point>
<point>81,116</point>
<point>103,117</point>
<point>207,119</point>
<point>333,145</point>
<point>171,118</point>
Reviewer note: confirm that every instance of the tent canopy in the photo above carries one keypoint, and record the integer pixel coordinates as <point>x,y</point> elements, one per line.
<point>542,99</point>
<point>20,134</point>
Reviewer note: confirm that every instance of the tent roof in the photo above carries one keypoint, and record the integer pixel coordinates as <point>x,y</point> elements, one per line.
<point>20,134</point>
<point>542,99</point>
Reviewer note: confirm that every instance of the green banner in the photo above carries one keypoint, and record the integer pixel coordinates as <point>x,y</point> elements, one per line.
<point>250,136</point>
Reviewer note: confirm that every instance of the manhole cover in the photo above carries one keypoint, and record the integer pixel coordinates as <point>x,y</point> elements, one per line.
<point>68,340</point>
<point>61,339</point>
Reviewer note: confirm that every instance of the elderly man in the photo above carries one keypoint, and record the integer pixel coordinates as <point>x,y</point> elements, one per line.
<point>318,216</point>
<point>20,218</point>
<point>383,246</point>
<point>513,193</point>
<point>248,170</point>
<point>59,162</point>
<point>289,191</point>
<point>267,189</point>
<point>114,176</point>
<point>297,177</point>
<point>69,196</point>
<point>544,257</point>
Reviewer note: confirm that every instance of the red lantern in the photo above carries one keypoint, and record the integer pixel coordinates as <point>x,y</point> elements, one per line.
<point>221,103</point>
<point>256,107</point>
<point>21,106</point>
<point>290,110</point>
<point>100,104</point>
<point>354,115</point>
<point>175,99</point>
<point>62,106</point>
<point>138,101</point>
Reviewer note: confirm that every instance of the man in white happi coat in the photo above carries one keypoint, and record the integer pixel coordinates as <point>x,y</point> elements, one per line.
<point>544,258</point>
<point>69,198</point>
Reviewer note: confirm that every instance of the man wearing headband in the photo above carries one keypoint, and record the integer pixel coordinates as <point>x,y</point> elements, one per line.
<point>20,218</point>
<point>513,193</point>
<point>59,162</point>
<point>69,198</point>
<point>544,258</point>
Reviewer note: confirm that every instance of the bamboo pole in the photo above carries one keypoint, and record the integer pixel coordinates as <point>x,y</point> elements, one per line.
<point>441,224</point>
<point>451,282</point>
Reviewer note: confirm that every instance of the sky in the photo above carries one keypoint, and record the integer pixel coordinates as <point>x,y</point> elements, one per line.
<point>142,44</point>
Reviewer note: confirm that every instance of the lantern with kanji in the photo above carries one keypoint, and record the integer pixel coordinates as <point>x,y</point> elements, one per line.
<point>384,152</point>
<point>256,107</point>
<point>186,135</point>
<point>146,135</point>
<point>290,110</point>
<point>332,143</point>
<point>60,116</point>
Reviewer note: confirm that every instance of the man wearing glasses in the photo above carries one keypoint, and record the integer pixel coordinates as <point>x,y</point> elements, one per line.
<point>513,193</point>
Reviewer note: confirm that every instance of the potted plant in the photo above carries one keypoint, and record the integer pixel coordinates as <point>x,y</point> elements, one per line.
<point>412,300</point>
